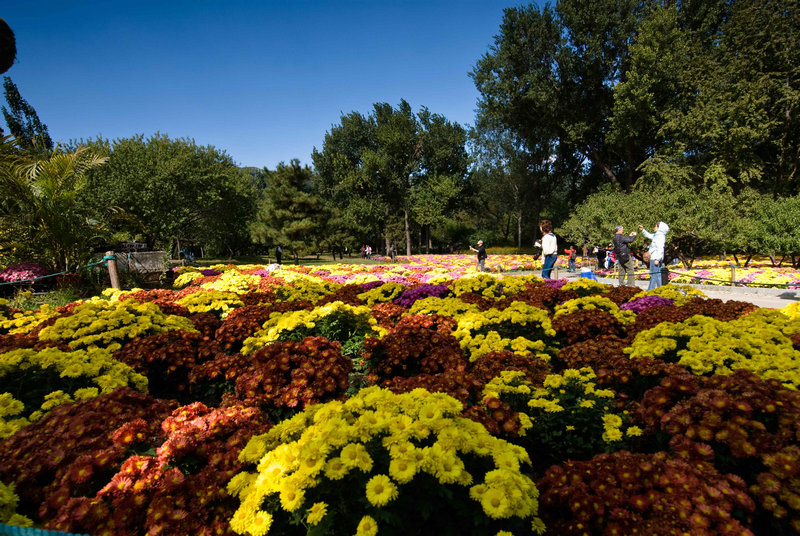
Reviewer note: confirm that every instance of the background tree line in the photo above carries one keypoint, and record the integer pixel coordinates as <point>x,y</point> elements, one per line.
<point>590,114</point>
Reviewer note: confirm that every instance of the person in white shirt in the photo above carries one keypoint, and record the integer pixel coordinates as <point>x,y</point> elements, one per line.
<point>656,251</point>
<point>549,247</point>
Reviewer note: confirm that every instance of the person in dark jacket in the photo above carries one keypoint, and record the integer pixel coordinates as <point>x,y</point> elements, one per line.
<point>624,256</point>
<point>481,251</point>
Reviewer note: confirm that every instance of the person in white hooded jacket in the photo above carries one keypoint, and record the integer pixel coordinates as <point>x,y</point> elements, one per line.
<point>656,250</point>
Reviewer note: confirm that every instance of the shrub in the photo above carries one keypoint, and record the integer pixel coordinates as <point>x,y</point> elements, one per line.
<point>286,374</point>
<point>628,493</point>
<point>179,490</point>
<point>385,462</point>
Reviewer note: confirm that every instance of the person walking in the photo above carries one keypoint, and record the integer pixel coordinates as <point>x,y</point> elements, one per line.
<point>549,246</point>
<point>481,251</point>
<point>627,264</point>
<point>656,250</point>
<point>278,253</point>
<point>571,254</point>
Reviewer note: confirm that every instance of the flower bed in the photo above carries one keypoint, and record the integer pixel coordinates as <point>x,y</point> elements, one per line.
<point>406,398</point>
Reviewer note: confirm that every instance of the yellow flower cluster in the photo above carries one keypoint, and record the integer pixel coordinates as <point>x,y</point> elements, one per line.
<point>574,392</point>
<point>384,293</point>
<point>452,307</point>
<point>758,342</point>
<point>281,324</point>
<point>482,332</point>
<point>100,323</point>
<point>27,321</point>
<point>10,408</point>
<point>211,301</point>
<point>380,441</point>
<point>679,294</point>
<point>480,283</point>
<point>94,366</point>
<point>305,289</point>
<point>234,281</point>
<point>590,303</point>
<point>8,506</point>
<point>186,278</point>
<point>792,310</point>
<point>585,286</point>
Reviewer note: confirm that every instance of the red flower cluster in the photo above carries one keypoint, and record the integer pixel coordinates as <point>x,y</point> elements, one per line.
<point>455,383</point>
<point>741,423</point>
<point>206,323</point>
<point>180,490</point>
<point>165,299</point>
<point>489,366</point>
<point>628,378</point>
<point>284,374</point>
<point>497,416</point>
<point>240,324</point>
<point>346,294</point>
<point>585,325</point>
<point>387,314</point>
<point>40,456</point>
<point>718,309</point>
<point>411,348</point>
<point>620,295</point>
<point>542,297</point>
<point>257,298</point>
<point>167,359</point>
<point>482,302</point>
<point>625,493</point>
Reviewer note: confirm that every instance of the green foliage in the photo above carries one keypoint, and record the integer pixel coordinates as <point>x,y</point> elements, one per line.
<point>391,170</point>
<point>289,214</point>
<point>41,209</point>
<point>173,190</point>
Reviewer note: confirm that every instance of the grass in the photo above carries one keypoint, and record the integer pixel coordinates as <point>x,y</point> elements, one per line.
<point>27,300</point>
<point>287,260</point>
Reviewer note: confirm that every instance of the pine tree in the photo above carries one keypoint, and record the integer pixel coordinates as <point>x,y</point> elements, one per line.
<point>23,122</point>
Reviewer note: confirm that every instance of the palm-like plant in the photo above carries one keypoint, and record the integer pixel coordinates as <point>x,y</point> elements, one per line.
<point>39,203</point>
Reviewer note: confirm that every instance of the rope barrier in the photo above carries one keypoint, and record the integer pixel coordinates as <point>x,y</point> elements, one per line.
<point>728,281</point>
<point>103,261</point>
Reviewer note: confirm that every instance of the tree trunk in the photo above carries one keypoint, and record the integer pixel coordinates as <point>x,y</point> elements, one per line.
<point>386,229</point>
<point>427,238</point>
<point>178,246</point>
<point>408,234</point>
<point>736,259</point>
<point>519,232</point>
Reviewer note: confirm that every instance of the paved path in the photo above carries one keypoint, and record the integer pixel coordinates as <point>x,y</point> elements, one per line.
<point>763,297</point>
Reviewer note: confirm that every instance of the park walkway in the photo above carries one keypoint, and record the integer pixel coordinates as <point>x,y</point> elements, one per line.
<point>770,298</point>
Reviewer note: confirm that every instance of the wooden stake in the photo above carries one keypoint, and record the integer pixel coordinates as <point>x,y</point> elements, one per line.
<point>112,270</point>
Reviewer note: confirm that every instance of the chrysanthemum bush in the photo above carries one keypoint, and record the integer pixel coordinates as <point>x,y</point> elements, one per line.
<point>105,324</point>
<point>743,425</point>
<point>44,452</point>
<point>381,463</point>
<point>634,493</point>
<point>180,489</point>
<point>8,508</point>
<point>758,342</point>
<point>336,321</point>
<point>519,327</point>
<point>213,301</point>
<point>36,381</point>
<point>22,272</point>
<point>568,417</point>
<point>285,374</point>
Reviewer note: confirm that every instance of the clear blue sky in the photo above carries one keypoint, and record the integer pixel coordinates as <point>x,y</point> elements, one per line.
<point>262,80</point>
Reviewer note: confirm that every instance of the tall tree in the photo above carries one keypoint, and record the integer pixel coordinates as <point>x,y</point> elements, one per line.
<point>549,79</point>
<point>289,214</point>
<point>378,168</point>
<point>175,189</point>
<point>23,121</point>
